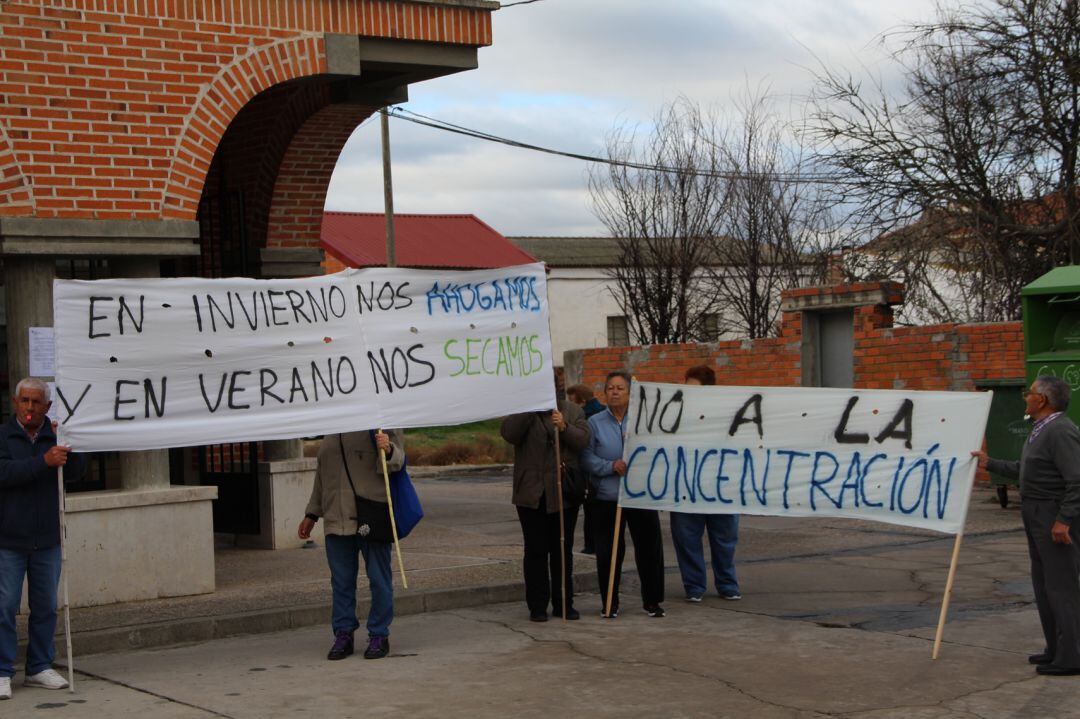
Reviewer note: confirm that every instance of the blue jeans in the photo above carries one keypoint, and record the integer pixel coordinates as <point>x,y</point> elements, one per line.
<point>342,553</point>
<point>41,567</point>
<point>723,530</point>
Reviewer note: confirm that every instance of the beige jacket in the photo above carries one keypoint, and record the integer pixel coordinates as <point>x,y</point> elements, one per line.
<point>332,497</point>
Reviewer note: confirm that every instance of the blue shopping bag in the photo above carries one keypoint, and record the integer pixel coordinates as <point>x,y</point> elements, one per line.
<point>407,509</point>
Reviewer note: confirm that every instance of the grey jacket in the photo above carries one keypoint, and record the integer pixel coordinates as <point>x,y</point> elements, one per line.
<point>332,497</point>
<point>1049,468</point>
<point>532,434</point>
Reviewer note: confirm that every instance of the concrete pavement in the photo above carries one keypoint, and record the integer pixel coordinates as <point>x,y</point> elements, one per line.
<point>837,620</point>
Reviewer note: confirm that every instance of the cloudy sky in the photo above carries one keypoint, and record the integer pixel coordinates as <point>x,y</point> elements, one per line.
<point>564,73</point>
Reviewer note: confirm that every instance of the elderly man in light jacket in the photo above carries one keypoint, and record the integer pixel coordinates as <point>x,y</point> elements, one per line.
<point>348,461</point>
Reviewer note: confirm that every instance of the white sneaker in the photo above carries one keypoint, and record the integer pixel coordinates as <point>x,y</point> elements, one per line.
<point>48,679</point>
<point>5,687</point>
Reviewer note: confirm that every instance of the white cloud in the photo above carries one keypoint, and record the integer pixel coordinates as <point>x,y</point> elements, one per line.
<point>563,74</point>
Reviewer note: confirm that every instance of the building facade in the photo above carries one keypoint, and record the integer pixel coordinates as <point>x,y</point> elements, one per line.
<point>144,138</point>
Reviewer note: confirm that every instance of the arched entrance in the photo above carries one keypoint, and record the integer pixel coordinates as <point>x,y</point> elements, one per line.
<point>196,138</point>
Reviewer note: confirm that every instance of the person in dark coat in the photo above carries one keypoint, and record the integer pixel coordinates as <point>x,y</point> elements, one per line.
<point>30,532</point>
<point>1049,474</point>
<point>533,435</point>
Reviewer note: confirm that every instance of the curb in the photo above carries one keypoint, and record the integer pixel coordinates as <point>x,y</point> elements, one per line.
<point>434,471</point>
<point>201,629</point>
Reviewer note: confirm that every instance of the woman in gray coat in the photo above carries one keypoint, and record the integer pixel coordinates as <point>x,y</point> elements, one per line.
<point>533,436</point>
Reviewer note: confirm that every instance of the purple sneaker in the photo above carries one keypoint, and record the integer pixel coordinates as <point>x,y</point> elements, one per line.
<point>377,648</point>
<point>343,646</point>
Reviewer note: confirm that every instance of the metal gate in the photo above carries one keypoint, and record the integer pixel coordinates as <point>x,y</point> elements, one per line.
<point>232,468</point>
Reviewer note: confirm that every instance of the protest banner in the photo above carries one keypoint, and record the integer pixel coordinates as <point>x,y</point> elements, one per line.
<point>883,455</point>
<point>153,363</point>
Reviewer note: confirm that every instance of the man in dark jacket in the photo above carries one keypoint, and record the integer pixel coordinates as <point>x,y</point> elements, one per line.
<point>1049,473</point>
<point>535,493</point>
<point>30,532</point>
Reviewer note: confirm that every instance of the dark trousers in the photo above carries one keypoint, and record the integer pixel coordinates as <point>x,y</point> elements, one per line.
<point>543,566</point>
<point>1055,577</point>
<point>587,528</point>
<point>644,526</point>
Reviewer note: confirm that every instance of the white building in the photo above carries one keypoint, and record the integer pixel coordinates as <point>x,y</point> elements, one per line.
<point>581,303</point>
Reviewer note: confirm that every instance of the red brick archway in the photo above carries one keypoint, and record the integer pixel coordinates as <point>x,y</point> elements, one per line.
<point>114,109</point>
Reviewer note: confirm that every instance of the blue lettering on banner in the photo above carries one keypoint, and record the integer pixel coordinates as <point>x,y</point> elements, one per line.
<point>791,455</point>
<point>818,481</point>
<point>698,471</point>
<point>748,470</point>
<point>667,468</point>
<point>626,477</point>
<point>512,294</point>
<point>817,484</point>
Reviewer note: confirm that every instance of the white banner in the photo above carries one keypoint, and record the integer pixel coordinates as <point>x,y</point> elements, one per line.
<point>889,456</point>
<point>151,363</point>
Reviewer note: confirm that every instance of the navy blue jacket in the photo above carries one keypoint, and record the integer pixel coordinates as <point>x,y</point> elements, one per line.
<point>29,498</point>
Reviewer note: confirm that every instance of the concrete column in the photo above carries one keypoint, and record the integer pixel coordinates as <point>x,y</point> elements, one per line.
<point>29,298</point>
<point>282,449</point>
<point>148,469</point>
<point>144,470</point>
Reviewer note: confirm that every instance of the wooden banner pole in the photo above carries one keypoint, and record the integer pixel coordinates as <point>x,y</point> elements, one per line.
<point>562,521</point>
<point>64,580</point>
<point>614,560</point>
<point>393,522</point>
<point>948,594</point>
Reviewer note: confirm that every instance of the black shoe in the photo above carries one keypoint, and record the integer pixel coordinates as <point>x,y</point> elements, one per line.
<point>343,646</point>
<point>654,610</point>
<point>538,616</point>
<point>1054,670</point>
<point>377,648</point>
<point>588,549</point>
<point>571,614</point>
<point>614,613</point>
<point>1040,658</point>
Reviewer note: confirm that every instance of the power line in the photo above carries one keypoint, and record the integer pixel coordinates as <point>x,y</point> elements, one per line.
<point>519,2</point>
<point>419,119</point>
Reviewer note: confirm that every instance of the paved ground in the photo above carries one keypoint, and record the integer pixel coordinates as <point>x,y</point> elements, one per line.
<point>837,620</point>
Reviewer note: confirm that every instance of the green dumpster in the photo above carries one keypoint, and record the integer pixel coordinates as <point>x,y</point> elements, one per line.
<point>1006,428</point>
<point>1051,306</point>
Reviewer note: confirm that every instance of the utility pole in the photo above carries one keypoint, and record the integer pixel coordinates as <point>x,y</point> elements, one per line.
<point>388,189</point>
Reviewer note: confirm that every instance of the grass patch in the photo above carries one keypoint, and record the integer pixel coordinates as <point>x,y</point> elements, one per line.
<point>475,443</point>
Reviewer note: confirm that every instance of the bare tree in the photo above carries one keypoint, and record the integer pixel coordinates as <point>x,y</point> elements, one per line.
<point>976,158</point>
<point>660,199</point>
<point>774,229</point>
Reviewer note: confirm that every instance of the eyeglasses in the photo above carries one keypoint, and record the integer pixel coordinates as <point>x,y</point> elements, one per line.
<point>1028,392</point>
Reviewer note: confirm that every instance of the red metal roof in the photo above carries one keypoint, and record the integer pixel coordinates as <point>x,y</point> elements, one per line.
<point>358,239</point>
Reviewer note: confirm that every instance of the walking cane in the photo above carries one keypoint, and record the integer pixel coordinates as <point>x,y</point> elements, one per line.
<point>562,523</point>
<point>63,573</point>
<point>393,522</point>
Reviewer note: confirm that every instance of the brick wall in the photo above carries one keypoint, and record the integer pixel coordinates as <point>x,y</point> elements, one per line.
<point>114,109</point>
<point>935,357</point>
<point>300,191</point>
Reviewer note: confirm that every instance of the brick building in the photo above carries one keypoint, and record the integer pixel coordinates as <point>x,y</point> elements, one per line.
<point>837,337</point>
<point>141,138</point>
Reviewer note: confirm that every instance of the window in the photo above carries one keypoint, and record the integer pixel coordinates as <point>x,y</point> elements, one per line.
<point>710,327</point>
<point>618,333</point>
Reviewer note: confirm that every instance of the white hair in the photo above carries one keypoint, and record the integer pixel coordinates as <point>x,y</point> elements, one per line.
<point>34,383</point>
